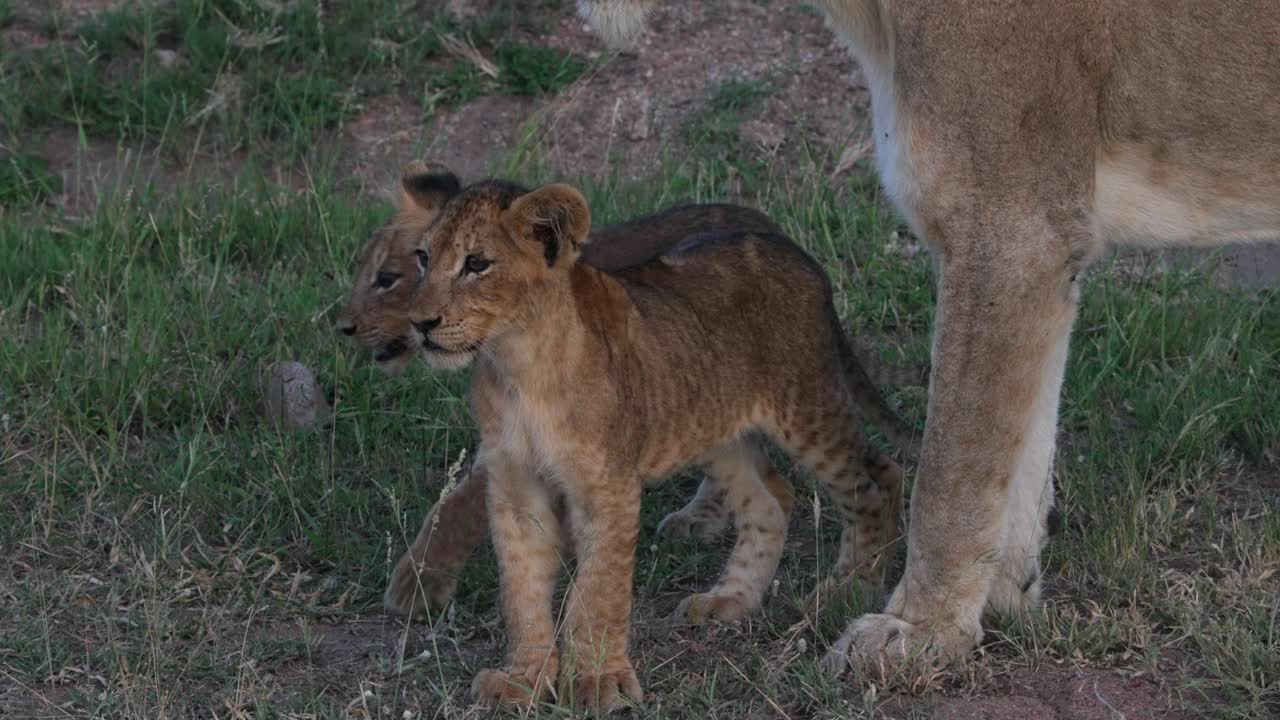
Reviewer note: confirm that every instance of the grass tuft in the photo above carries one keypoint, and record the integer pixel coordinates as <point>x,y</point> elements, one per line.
<point>274,76</point>
<point>25,180</point>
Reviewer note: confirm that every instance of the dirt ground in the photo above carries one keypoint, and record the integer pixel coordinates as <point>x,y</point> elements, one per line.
<point>382,664</point>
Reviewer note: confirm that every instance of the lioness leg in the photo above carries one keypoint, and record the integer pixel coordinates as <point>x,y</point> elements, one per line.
<point>993,162</point>
<point>977,509</point>
<point>427,574</point>
<point>1016,586</point>
<point>761,525</point>
<point>526,538</point>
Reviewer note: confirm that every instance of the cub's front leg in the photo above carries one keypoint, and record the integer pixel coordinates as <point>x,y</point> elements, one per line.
<point>605,514</point>
<point>526,538</point>
<point>427,574</point>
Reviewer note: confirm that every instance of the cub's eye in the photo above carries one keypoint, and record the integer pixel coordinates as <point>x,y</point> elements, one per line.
<point>422,258</point>
<point>475,264</point>
<point>386,279</point>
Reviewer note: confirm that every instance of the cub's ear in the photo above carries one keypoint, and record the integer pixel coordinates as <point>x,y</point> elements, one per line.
<point>554,216</point>
<point>427,186</point>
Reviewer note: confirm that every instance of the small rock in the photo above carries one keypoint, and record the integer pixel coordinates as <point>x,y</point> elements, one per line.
<point>165,58</point>
<point>291,398</point>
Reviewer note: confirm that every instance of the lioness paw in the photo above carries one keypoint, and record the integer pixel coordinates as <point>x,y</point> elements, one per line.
<point>605,692</point>
<point>882,646</point>
<point>698,609</point>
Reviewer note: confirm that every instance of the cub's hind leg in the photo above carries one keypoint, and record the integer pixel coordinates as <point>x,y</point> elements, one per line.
<point>876,534</point>
<point>825,435</point>
<point>750,486</point>
<point>707,516</point>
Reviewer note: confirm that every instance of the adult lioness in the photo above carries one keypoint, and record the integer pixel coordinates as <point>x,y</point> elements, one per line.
<point>377,315</point>
<point>593,384</point>
<point>1017,139</point>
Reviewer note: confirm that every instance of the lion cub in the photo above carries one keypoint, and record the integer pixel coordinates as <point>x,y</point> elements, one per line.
<point>595,384</point>
<point>376,315</point>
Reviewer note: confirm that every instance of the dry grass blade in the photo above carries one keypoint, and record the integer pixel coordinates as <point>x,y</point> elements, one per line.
<point>224,98</point>
<point>253,40</point>
<point>466,50</point>
<point>850,156</point>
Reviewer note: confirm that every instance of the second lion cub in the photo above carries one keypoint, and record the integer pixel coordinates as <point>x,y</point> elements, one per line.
<point>598,383</point>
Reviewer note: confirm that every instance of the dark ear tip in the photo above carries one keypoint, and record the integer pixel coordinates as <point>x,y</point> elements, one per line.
<point>429,184</point>
<point>424,167</point>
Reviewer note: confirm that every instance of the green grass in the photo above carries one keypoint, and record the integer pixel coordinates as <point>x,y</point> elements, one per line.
<point>528,70</point>
<point>256,75</point>
<point>713,132</point>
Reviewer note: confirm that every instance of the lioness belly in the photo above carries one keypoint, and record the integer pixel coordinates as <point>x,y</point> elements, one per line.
<point>1148,195</point>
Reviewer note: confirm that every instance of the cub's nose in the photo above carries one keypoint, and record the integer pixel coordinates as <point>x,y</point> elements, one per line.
<point>346,327</point>
<point>426,326</point>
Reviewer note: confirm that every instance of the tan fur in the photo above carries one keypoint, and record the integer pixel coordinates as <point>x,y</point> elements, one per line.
<point>1018,139</point>
<point>595,383</point>
<point>426,574</point>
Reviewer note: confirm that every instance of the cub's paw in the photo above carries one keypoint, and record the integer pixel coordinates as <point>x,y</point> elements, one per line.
<point>705,527</point>
<point>698,609</point>
<point>513,688</point>
<point>605,692</point>
<point>414,590</point>
<point>881,646</point>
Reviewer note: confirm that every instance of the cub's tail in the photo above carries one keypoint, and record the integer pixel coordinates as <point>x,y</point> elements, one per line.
<point>870,400</point>
<point>883,373</point>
